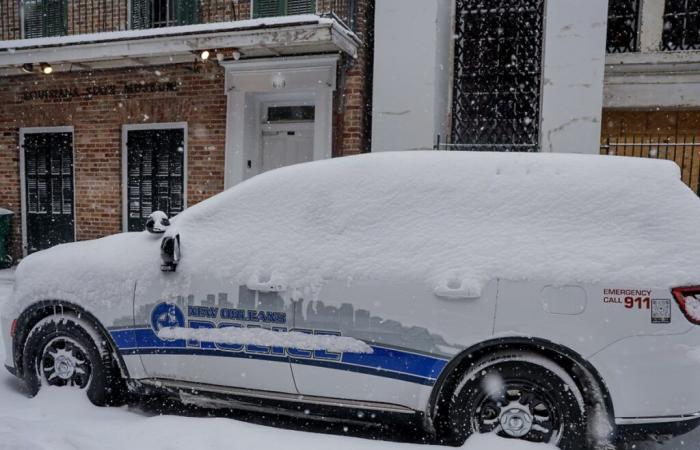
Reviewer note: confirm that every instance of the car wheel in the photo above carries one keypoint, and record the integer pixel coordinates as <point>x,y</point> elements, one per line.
<point>63,351</point>
<point>518,395</point>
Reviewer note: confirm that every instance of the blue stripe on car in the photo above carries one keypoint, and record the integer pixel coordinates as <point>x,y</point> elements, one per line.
<point>384,362</point>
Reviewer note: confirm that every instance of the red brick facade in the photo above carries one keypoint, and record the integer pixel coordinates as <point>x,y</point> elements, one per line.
<point>97,120</point>
<point>199,100</point>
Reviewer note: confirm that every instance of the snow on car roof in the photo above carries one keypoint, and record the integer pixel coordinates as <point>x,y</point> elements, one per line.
<point>443,218</point>
<point>455,217</point>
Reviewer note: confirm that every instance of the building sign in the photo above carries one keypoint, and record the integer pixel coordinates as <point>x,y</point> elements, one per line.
<point>98,90</point>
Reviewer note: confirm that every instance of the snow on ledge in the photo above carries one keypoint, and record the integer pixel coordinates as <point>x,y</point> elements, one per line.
<point>267,338</point>
<point>238,25</point>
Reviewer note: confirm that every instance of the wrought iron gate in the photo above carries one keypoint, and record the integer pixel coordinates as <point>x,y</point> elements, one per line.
<point>155,174</point>
<point>48,178</point>
<point>497,75</point>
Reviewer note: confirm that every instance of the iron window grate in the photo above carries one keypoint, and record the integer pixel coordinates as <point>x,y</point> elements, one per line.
<point>497,75</point>
<point>681,25</point>
<point>623,26</point>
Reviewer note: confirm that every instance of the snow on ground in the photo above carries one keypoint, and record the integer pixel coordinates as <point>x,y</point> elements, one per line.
<point>63,419</point>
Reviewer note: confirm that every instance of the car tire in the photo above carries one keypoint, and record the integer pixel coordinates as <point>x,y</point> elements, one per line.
<point>517,395</point>
<point>62,350</point>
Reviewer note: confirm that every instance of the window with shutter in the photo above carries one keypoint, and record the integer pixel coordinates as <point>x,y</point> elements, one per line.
<point>301,7</point>
<point>48,178</point>
<point>44,18</point>
<point>163,13</point>
<point>141,17</point>
<point>272,8</point>
<point>155,174</point>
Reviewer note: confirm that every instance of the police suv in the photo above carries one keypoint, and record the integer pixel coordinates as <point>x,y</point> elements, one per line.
<point>549,298</point>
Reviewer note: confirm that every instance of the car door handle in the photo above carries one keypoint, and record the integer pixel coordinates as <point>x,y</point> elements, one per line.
<point>266,286</point>
<point>462,291</point>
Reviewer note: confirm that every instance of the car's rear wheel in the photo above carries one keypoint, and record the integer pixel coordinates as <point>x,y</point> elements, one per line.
<point>64,351</point>
<point>518,395</point>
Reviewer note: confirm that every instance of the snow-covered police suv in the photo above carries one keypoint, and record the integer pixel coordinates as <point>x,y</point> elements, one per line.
<point>545,297</point>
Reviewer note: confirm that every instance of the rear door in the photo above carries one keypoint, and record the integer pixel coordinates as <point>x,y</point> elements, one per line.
<point>413,333</point>
<point>48,200</point>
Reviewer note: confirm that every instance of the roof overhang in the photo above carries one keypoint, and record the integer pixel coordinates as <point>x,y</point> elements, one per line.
<point>279,36</point>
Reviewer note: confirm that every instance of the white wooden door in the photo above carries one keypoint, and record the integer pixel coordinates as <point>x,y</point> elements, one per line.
<point>286,144</point>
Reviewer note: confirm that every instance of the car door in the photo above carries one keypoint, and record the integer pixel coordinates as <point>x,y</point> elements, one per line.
<point>413,333</point>
<point>196,297</point>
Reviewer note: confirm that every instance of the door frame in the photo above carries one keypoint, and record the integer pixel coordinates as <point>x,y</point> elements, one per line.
<point>248,83</point>
<point>23,176</point>
<point>125,161</point>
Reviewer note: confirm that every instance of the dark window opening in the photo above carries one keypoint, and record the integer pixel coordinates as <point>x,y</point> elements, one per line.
<point>290,114</point>
<point>497,75</point>
<point>623,26</point>
<point>155,174</point>
<point>681,25</point>
<point>273,8</point>
<point>45,18</point>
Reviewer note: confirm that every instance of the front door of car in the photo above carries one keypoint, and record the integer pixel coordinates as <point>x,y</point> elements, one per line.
<point>196,298</point>
<point>414,330</point>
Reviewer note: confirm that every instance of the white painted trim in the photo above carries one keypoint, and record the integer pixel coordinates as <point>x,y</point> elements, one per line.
<point>287,36</point>
<point>22,177</point>
<point>125,160</point>
<point>247,87</point>
<point>540,127</point>
<point>651,25</point>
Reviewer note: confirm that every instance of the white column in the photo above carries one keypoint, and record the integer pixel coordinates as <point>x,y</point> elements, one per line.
<point>574,68</point>
<point>234,156</point>
<point>323,126</point>
<point>412,46</point>
<point>651,25</point>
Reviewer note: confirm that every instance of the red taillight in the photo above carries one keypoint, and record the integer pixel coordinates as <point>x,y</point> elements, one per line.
<point>13,328</point>
<point>688,298</point>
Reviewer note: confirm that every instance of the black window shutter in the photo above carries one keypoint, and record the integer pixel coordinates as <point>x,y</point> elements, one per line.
<point>155,178</point>
<point>301,7</point>
<point>269,8</point>
<point>141,14</point>
<point>44,18</point>
<point>187,12</point>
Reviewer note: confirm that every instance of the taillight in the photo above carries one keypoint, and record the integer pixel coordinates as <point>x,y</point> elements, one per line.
<point>13,328</point>
<point>688,298</point>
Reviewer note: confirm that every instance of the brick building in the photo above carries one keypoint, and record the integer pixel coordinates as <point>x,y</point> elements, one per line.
<point>151,124</point>
<point>111,110</point>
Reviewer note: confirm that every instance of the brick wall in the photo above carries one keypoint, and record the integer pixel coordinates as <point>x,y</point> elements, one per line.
<point>199,101</point>
<point>352,102</point>
<point>650,123</point>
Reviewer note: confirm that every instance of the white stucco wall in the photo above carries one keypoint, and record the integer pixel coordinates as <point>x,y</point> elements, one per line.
<point>413,65</point>
<point>411,72</point>
<point>574,66</point>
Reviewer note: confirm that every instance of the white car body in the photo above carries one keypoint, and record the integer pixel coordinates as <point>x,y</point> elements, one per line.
<point>642,360</point>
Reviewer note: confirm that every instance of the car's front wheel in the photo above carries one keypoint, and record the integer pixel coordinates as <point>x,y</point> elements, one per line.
<point>518,395</point>
<point>63,351</point>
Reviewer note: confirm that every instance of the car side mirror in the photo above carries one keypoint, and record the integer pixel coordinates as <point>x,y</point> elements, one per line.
<point>157,222</point>
<point>170,253</point>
